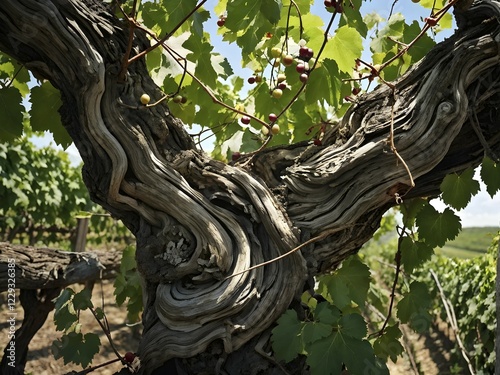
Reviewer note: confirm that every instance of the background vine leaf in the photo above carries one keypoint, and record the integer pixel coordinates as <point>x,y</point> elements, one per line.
<point>286,338</point>
<point>458,189</point>
<point>490,174</point>
<point>44,116</point>
<point>435,227</point>
<point>11,112</point>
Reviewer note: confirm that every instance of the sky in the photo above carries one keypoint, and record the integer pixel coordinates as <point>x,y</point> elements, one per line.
<point>482,211</point>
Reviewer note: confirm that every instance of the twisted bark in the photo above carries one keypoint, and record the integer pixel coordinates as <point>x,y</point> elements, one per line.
<point>198,221</point>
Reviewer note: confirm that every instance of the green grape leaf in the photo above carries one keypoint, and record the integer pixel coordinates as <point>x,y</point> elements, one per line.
<point>99,313</point>
<point>176,11</point>
<point>324,355</point>
<point>421,46</point>
<point>353,325</point>
<point>134,303</point>
<point>349,283</point>
<point>83,299</point>
<point>77,348</point>
<point>153,16</point>
<point>360,358</point>
<point>7,69</point>
<point>352,17</point>
<point>413,307</point>
<point>209,66</point>
<point>335,290</point>
<point>412,301</point>
<point>410,209</point>
<point>314,331</point>
<point>271,9</point>
<point>372,19</point>
<point>433,4</point>
<point>120,285</point>
<point>459,189</point>
<point>64,298</point>
<point>345,47</point>
<point>446,22</point>
<point>324,83</point>
<point>199,18</point>
<point>18,75</point>
<point>394,28</point>
<point>250,142</point>
<point>90,347</point>
<point>241,13</point>
<point>66,347</point>
<point>11,113</point>
<point>414,253</point>
<point>286,337</point>
<point>304,5</point>
<point>437,228</point>
<point>44,115</point>
<point>247,24</point>
<point>327,313</point>
<point>128,285</point>
<point>128,259</point>
<point>314,33</point>
<point>388,345</point>
<point>154,60</point>
<point>220,7</point>
<point>490,174</point>
<point>65,317</point>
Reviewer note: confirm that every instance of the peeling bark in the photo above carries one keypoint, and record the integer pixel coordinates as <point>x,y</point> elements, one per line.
<point>198,221</point>
<point>43,268</point>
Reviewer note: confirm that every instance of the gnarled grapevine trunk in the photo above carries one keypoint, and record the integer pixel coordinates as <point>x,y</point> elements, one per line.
<point>198,221</point>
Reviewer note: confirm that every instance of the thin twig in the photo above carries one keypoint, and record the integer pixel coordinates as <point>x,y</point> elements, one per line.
<point>450,313</point>
<point>13,78</point>
<point>409,350</point>
<point>90,369</point>
<point>105,328</point>
<point>320,237</point>
<point>164,39</point>
<point>301,26</point>
<point>212,95</point>
<point>426,27</point>
<point>393,146</point>
<point>132,24</point>
<point>299,91</point>
<point>397,258</point>
<point>392,8</point>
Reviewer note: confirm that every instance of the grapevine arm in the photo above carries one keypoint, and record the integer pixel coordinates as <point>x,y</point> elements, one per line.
<point>355,174</point>
<point>191,230</point>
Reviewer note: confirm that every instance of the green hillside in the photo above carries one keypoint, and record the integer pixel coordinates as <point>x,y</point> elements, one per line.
<point>471,242</point>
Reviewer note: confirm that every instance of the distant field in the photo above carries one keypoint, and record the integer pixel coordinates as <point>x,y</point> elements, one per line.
<point>471,242</point>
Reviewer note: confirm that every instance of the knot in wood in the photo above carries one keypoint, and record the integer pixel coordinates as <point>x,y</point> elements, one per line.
<point>444,109</point>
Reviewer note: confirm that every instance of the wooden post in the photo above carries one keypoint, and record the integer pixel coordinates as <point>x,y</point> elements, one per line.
<point>82,227</point>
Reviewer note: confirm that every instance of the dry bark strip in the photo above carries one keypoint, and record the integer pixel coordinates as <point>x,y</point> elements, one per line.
<point>44,268</point>
<point>197,220</point>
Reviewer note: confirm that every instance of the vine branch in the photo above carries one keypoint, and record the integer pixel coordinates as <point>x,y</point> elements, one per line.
<point>450,313</point>
<point>397,259</point>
